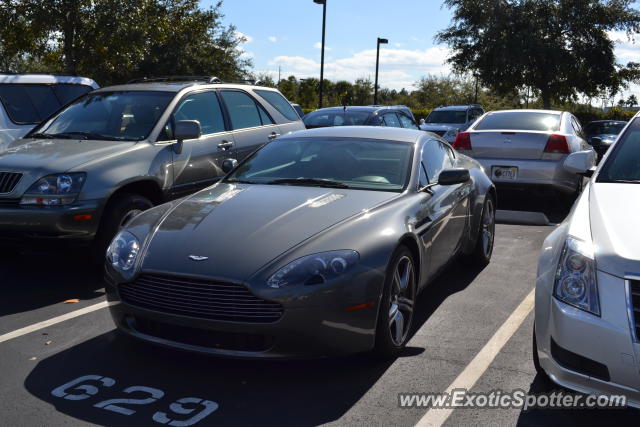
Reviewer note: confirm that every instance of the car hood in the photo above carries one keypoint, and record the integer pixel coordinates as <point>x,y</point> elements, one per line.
<point>240,228</point>
<point>605,137</point>
<point>614,231</point>
<point>40,156</point>
<point>439,126</point>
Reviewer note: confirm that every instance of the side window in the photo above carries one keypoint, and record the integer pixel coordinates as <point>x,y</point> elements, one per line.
<point>576,127</point>
<point>279,103</point>
<point>449,153</point>
<point>203,107</point>
<point>69,92</point>
<point>434,159</point>
<point>28,103</point>
<point>423,180</point>
<point>391,120</point>
<point>407,122</point>
<point>244,110</point>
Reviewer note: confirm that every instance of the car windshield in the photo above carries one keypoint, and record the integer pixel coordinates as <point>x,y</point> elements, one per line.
<point>321,119</point>
<point>623,164</point>
<point>520,120</point>
<point>332,162</point>
<point>605,128</point>
<point>121,115</point>
<point>447,116</point>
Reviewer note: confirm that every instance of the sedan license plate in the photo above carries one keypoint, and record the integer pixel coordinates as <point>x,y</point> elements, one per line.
<point>504,173</point>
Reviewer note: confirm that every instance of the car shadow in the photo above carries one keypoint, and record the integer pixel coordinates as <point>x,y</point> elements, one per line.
<point>31,278</point>
<point>554,207</point>
<point>572,417</point>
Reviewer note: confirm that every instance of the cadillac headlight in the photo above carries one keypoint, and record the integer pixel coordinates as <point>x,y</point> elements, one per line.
<point>576,282</point>
<point>55,190</point>
<point>123,252</point>
<point>314,269</point>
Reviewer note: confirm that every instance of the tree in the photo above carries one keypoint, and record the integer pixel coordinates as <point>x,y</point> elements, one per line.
<point>113,41</point>
<point>632,101</point>
<point>560,48</point>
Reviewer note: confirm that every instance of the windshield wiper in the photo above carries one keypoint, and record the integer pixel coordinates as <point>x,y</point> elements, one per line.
<point>42,135</point>
<point>309,181</point>
<point>621,181</point>
<point>87,135</point>
<point>240,181</point>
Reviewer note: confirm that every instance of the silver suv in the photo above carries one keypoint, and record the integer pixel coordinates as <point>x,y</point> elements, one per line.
<point>448,121</point>
<point>117,151</point>
<point>28,99</point>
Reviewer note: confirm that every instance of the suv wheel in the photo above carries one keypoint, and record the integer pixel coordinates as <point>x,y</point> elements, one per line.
<point>121,209</point>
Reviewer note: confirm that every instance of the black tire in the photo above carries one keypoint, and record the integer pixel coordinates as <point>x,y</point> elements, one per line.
<point>536,360</point>
<point>481,254</point>
<point>119,211</point>
<point>397,302</point>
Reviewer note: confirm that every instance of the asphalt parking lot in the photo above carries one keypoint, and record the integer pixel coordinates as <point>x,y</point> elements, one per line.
<point>136,384</point>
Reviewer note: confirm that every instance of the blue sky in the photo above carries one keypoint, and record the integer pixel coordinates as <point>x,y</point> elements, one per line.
<point>287,33</point>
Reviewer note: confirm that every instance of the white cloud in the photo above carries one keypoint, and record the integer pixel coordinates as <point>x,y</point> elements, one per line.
<point>399,68</point>
<point>273,39</point>
<point>626,50</point>
<point>318,45</point>
<point>248,38</point>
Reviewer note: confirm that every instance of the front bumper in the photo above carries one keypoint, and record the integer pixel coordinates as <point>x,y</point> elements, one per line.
<point>600,342</point>
<point>540,173</point>
<point>68,222</point>
<point>314,323</point>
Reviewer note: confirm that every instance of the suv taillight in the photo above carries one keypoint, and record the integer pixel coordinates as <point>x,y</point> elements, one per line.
<point>462,141</point>
<point>557,144</point>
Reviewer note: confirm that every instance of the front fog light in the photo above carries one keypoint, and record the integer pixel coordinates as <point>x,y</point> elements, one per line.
<point>575,281</point>
<point>314,269</point>
<point>123,251</point>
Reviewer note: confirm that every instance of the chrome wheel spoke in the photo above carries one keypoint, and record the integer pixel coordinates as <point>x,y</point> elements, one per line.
<point>393,311</point>
<point>399,328</point>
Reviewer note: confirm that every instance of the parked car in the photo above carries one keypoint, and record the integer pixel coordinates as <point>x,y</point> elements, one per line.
<point>298,109</point>
<point>360,116</point>
<point>602,133</point>
<point>28,99</point>
<point>448,121</point>
<point>87,170</point>
<point>587,307</point>
<point>527,148</point>
<point>316,244</point>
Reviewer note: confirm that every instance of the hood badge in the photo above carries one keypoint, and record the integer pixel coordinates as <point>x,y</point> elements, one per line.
<point>198,257</point>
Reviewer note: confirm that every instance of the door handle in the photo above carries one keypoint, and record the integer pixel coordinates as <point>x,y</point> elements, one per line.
<point>273,135</point>
<point>225,145</point>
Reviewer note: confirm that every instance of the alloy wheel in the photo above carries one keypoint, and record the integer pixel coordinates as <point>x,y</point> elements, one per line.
<point>402,300</point>
<point>488,227</point>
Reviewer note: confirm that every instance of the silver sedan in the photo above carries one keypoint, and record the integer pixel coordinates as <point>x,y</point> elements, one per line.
<point>527,148</point>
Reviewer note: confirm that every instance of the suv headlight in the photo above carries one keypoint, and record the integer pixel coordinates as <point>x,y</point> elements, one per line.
<point>314,269</point>
<point>576,282</point>
<point>451,134</point>
<point>123,252</point>
<point>55,190</point>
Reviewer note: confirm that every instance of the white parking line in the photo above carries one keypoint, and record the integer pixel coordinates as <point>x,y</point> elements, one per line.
<point>482,361</point>
<point>32,328</point>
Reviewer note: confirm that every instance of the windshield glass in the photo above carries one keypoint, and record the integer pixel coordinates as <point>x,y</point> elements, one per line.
<point>356,163</point>
<point>320,119</point>
<point>623,164</point>
<point>520,120</point>
<point>605,128</point>
<point>447,117</point>
<point>125,116</point>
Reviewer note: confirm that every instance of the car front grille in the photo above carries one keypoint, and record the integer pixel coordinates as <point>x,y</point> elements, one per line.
<point>199,298</point>
<point>9,202</point>
<point>634,287</point>
<point>8,181</point>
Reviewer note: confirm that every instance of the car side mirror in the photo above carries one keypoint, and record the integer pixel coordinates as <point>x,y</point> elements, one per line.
<point>580,162</point>
<point>453,176</point>
<point>187,129</point>
<point>421,121</point>
<point>596,141</point>
<point>228,165</point>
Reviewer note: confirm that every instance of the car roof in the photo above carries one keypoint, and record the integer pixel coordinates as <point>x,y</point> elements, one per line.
<point>456,107</point>
<point>366,132</point>
<point>363,108</point>
<point>527,111</point>
<point>8,78</point>
<point>607,121</point>
<point>177,86</point>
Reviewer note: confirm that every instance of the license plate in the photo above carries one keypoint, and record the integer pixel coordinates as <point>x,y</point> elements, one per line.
<point>504,173</point>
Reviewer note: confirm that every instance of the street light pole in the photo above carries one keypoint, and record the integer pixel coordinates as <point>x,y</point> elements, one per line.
<point>324,24</point>
<point>375,89</point>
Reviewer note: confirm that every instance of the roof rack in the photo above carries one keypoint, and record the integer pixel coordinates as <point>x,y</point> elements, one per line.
<point>205,79</point>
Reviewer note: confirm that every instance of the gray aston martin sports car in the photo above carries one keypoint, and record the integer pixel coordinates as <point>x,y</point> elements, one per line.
<point>316,244</point>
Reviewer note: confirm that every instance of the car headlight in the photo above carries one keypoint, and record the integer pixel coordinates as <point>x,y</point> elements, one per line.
<point>575,282</point>
<point>451,134</point>
<point>123,252</point>
<point>314,269</point>
<point>55,190</point>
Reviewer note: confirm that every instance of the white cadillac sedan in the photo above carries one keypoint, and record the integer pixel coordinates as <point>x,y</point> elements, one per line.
<point>587,310</point>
